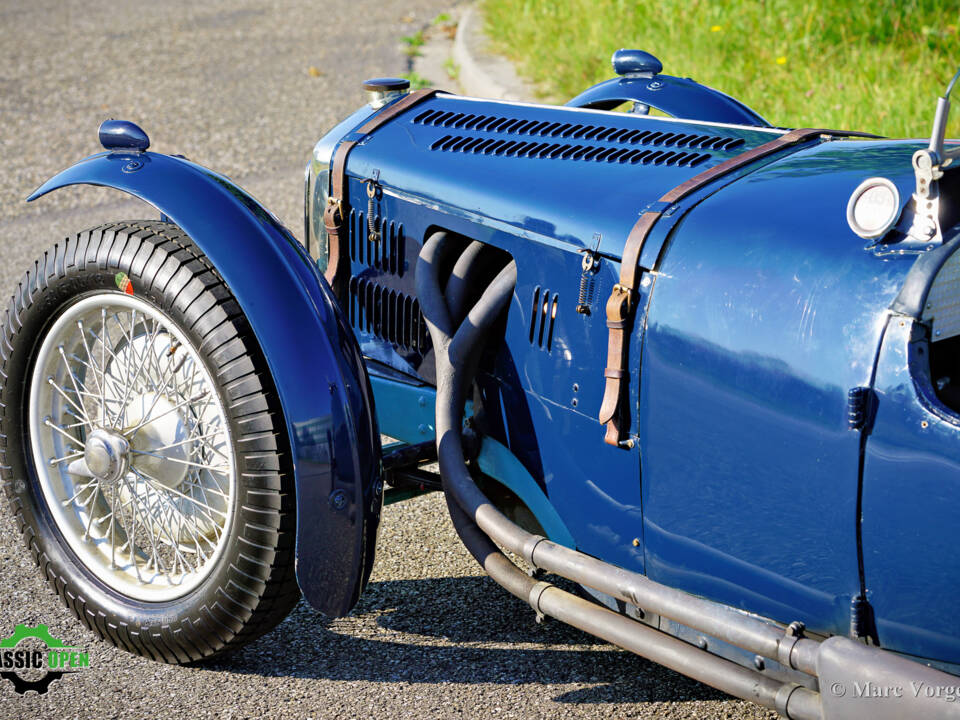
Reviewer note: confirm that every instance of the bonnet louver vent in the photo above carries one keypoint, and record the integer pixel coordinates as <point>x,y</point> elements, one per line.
<point>566,151</point>
<point>387,253</point>
<point>574,131</point>
<point>388,315</point>
<point>542,315</point>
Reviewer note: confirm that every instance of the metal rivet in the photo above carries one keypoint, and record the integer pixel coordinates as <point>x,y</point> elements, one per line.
<point>636,542</point>
<point>338,499</point>
<point>574,402</point>
<point>759,663</point>
<point>924,423</point>
<point>422,429</point>
<point>702,642</point>
<point>576,387</point>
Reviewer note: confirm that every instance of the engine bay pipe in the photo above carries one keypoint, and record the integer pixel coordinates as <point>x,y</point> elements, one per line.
<point>739,629</point>
<point>461,280</point>
<point>456,354</point>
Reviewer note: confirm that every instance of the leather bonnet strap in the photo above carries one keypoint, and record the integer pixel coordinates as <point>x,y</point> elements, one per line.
<point>622,301</point>
<point>337,206</point>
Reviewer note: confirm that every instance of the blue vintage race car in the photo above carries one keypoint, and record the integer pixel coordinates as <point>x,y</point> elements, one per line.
<point>765,322</point>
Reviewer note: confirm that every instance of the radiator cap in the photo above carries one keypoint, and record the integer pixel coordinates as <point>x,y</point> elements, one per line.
<point>382,90</point>
<point>635,63</point>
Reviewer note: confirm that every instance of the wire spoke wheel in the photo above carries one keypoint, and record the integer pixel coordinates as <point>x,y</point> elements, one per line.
<point>131,446</point>
<point>143,448</point>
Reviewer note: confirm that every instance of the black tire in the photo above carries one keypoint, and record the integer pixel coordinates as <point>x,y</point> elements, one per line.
<point>252,585</point>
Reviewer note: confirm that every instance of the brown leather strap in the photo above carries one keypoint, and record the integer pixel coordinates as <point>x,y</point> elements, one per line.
<point>337,207</point>
<point>620,306</point>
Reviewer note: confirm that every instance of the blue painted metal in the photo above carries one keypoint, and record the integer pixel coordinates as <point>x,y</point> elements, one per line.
<point>532,395</point>
<point>406,409</point>
<point>635,62</point>
<point>679,97</point>
<point>502,465</point>
<point>557,158</point>
<point>322,384</point>
<point>911,485</point>
<point>766,309</point>
<point>123,135</point>
<point>763,312</point>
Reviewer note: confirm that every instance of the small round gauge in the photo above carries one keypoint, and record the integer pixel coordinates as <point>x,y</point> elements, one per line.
<point>873,207</point>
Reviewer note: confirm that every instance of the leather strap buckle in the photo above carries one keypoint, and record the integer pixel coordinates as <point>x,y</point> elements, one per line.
<point>333,215</point>
<point>625,295</point>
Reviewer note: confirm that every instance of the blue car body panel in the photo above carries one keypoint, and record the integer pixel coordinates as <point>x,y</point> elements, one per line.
<point>766,311</point>
<point>680,97</point>
<point>910,488</point>
<point>763,311</point>
<point>313,356</point>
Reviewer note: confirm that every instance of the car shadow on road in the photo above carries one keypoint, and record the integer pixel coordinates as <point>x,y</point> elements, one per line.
<point>456,630</point>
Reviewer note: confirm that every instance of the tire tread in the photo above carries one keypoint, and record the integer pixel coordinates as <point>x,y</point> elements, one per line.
<point>261,587</point>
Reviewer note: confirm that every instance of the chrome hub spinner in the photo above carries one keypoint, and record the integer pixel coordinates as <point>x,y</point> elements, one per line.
<point>107,455</point>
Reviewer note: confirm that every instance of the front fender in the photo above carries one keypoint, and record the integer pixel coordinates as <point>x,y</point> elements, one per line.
<point>314,359</point>
<point>679,97</point>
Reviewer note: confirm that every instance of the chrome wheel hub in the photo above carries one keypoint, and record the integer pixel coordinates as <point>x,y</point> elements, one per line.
<point>132,446</point>
<point>107,455</point>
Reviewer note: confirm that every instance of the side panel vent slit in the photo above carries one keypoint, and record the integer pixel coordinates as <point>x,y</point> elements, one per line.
<point>386,254</point>
<point>387,315</point>
<point>543,314</point>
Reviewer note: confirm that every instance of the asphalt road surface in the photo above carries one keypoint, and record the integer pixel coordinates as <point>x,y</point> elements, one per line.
<point>229,85</point>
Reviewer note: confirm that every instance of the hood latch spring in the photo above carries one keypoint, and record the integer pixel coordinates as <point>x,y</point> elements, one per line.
<point>374,193</point>
<point>589,268</point>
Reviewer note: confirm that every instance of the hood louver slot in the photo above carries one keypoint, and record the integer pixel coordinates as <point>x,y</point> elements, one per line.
<point>543,313</point>
<point>574,131</point>
<point>388,315</point>
<point>387,254</point>
<point>564,151</point>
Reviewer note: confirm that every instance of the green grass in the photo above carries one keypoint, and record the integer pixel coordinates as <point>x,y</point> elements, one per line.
<point>413,43</point>
<point>873,66</point>
<point>453,70</point>
<point>417,81</point>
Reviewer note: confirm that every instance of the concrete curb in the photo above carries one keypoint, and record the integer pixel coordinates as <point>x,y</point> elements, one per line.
<point>482,73</point>
<point>479,72</point>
